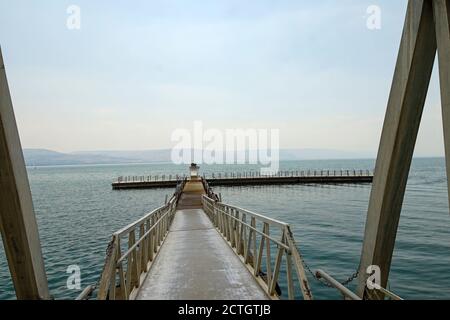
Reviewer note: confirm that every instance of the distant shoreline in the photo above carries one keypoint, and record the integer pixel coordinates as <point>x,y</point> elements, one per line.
<point>30,166</point>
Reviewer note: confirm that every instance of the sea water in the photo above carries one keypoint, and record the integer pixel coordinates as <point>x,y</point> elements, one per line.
<point>77,212</point>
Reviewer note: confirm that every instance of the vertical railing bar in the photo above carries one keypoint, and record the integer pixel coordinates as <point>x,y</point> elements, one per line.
<point>260,252</point>
<point>149,243</point>
<point>276,270</point>
<point>122,280</point>
<point>230,238</point>
<point>134,261</point>
<point>158,230</point>
<point>225,222</point>
<point>253,224</point>
<point>151,240</point>
<point>142,249</point>
<point>233,230</point>
<point>243,236</point>
<point>248,246</point>
<point>113,277</point>
<point>268,258</point>
<point>128,277</point>
<point>277,267</point>
<point>238,224</point>
<point>290,281</point>
<point>112,286</point>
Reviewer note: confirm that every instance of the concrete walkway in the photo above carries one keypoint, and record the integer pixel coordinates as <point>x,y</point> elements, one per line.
<point>195,263</point>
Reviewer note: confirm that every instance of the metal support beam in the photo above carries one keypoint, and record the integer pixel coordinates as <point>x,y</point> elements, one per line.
<point>17,220</point>
<point>442,23</point>
<point>404,111</point>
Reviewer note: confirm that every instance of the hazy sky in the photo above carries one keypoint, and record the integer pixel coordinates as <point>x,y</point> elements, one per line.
<point>138,70</point>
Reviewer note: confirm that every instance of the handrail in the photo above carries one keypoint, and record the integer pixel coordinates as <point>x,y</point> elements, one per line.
<point>128,228</point>
<point>86,293</point>
<point>333,282</point>
<point>124,273</point>
<point>253,174</point>
<point>132,225</point>
<point>346,292</point>
<point>390,294</point>
<point>242,236</point>
<point>142,238</point>
<point>254,229</point>
<point>213,197</point>
<point>259,216</point>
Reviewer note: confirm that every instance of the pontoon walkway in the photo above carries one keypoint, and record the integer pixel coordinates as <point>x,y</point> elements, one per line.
<point>196,263</point>
<point>196,248</point>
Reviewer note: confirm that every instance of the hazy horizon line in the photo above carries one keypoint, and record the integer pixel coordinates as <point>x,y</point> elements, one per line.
<point>367,154</point>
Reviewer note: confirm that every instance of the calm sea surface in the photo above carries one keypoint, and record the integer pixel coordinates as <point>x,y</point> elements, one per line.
<point>77,212</point>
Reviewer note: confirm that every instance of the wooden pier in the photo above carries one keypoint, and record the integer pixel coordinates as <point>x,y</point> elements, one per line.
<point>250,179</point>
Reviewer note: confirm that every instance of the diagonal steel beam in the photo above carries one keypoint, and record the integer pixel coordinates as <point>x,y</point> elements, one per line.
<point>17,220</point>
<point>404,111</point>
<point>442,26</point>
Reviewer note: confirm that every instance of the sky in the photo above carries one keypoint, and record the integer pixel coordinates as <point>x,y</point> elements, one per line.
<point>138,70</point>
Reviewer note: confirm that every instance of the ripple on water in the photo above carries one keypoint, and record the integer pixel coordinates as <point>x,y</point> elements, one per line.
<point>77,212</point>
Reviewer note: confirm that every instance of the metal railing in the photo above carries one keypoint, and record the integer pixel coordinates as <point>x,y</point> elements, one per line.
<point>162,177</point>
<point>292,173</point>
<point>389,294</point>
<point>347,293</point>
<point>253,237</point>
<point>250,174</point>
<point>128,258</point>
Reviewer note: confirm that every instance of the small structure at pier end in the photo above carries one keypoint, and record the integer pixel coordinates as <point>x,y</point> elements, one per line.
<point>194,171</point>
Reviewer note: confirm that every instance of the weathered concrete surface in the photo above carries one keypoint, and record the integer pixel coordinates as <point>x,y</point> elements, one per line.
<point>195,263</point>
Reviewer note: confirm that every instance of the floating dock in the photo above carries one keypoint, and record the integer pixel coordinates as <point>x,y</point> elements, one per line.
<point>250,179</point>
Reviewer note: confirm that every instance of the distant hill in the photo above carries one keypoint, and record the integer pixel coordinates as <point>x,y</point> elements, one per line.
<point>322,154</point>
<point>142,156</point>
<point>43,157</point>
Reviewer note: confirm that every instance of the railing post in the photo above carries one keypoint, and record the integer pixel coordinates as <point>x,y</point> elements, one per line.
<point>108,276</point>
<point>277,268</point>
<point>259,257</point>
<point>268,257</point>
<point>134,265</point>
<point>290,282</point>
<point>143,249</point>
<point>151,248</point>
<point>253,224</point>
